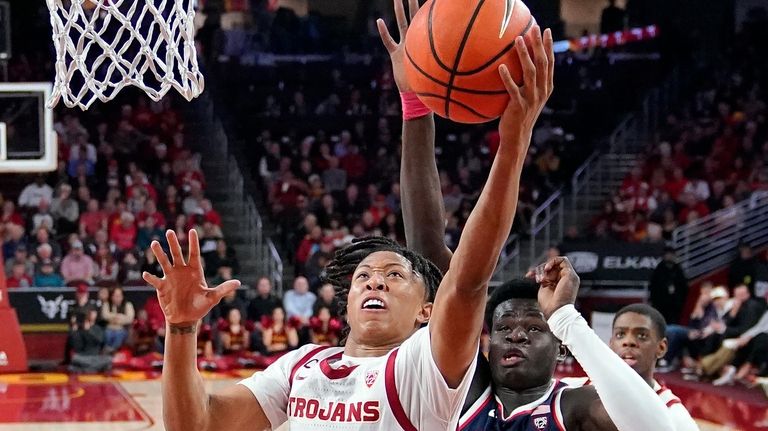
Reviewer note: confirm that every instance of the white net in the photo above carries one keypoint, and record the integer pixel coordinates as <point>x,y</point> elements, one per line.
<point>105,45</point>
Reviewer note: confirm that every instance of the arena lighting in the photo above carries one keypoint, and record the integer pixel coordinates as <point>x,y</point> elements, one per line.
<point>608,40</point>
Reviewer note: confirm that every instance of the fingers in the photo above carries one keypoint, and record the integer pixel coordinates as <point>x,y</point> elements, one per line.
<point>402,21</point>
<point>386,38</point>
<point>510,84</point>
<point>541,61</point>
<point>529,70</point>
<point>413,7</point>
<point>194,248</point>
<point>549,47</point>
<point>225,288</point>
<point>153,280</point>
<point>173,244</point>
<point>161,257</point>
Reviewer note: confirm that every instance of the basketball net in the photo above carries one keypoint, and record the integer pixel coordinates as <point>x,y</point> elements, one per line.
<point>105,45</point>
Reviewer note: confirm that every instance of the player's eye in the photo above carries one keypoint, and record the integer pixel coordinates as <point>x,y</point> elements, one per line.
<point>534,329</point>
<point>619,335</point>
<point>502,328</point>
<point>395,274</point>
<point>362,276</point>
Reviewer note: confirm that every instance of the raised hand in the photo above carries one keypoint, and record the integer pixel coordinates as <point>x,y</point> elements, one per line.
<point>183,292</point>
<point>397,49</point>
<point>558,284</point>
<point>527,100</point>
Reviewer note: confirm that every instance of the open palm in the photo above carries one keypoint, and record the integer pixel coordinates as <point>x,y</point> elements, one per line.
<point>183,292</point>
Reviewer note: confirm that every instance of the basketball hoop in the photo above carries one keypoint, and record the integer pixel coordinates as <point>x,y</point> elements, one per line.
<point>105,45</point>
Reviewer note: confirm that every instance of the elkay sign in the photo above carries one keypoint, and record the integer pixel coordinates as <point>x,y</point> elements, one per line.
<point>613,261</point>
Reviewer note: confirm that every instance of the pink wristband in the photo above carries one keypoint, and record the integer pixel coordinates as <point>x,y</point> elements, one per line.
<point>412,106</point>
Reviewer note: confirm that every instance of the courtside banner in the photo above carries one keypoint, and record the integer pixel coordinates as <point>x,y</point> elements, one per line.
<point>51,305</point>
<point>610,261</point>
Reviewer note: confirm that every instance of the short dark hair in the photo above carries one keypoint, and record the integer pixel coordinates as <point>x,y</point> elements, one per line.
<point>657,320</point>
<point>339,271</point>
<point>519,288</point>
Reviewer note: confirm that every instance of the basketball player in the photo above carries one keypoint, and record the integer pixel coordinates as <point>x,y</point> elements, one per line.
<point>390,375</point>
<point>523,349</point>
<point>638,337</point>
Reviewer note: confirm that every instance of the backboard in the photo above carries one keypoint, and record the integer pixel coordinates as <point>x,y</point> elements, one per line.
<point>27,138</point>
<point>5,30</point>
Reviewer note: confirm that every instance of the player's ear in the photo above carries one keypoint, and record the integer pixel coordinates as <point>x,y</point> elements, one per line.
<point>424,314</point>
<point>661,350</point>
<point>562,354</point>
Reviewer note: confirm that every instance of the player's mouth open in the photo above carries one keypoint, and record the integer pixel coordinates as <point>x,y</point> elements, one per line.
<point>629,358</point>
<point>374,304</point>
<point>512,357</point>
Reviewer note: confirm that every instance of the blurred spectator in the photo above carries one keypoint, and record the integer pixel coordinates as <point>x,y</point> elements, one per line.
<point>233,334</point>
<point>324,329</point>
<point>279,336</point>
<point>92,220</point>
<point>78,266</point>
<point>119,315</point>
<point>298,302</point>
<point>19,277</point>
<point>106,267</point>
<point>32,194</point>
<point>743,269</point>
<point>263,303</point>
<point>668,287</point>
<point>20,256</point>
<point>65,211</point>
<point>326,297</point>
<point>46,276</point>
<point>87,341</point>
<point>124,234</point>
<point>130,271</point>
<point>221,256</point>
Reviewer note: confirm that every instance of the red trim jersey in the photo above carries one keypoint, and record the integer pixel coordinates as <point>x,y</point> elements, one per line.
<point>677,411</point>
<point>320,388</point>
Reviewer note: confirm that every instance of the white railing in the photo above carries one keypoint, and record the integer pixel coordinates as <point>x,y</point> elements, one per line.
<point>546,227</point>
<point>712,241</point>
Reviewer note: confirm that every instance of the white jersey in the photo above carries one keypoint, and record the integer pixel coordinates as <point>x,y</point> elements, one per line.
<point>320,388</point>
<point>677,411</point>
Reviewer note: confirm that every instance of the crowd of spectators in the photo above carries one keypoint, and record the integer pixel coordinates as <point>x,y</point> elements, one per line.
<point>711,153</point>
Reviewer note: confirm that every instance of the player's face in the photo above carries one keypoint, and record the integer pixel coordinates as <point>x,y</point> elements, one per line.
<point>635,340</point>
<point>386,300</point>
<point>523,352</point>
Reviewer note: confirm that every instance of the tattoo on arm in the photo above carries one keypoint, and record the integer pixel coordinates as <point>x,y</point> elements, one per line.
<point>182,329</point>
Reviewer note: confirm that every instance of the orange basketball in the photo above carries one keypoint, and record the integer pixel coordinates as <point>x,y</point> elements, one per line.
<point>453,50</point>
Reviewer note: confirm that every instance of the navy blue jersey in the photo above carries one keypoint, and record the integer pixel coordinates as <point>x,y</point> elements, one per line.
<point>542,414</point>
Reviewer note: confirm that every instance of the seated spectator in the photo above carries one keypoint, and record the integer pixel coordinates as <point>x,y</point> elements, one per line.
<point>106,267</point>
<point>298,302</point>
<point>87,342</point>
<point>19,277</point>
<point>65,211</point>
<point>324,330</point>
<point>129,273</point>
<point>43,218</point>
<point>119,315</point>
<point>317,262</point>
<point>92,220</point>
<point>78,266</point>
<point>42,236</point>
<point>210,214</point>
<point>221,310</point>
<point>751,357</point>
<point>124,233</point>
<point>233,335</point>
<point>279,336</point>
<point>149,232</point>
<point>10,215</point>
<point>33,193</point>
<point>20,256</point>
<point>143,335</point>
<point>47,276</point>
<point>263,303</point>
<point>221,256</point>
<point>689,343</point>
<point>326,297</point>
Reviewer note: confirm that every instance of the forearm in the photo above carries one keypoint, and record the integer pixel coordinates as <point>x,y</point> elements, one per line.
<point>421,197</point>
<point>760,327</point>
<point>489,225</point>
<point>636,409</point>
<point>185,403</point>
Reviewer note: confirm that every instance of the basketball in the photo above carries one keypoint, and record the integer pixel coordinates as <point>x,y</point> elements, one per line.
<point>453,51</point>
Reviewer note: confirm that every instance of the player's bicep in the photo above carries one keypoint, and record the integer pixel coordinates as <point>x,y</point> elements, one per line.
<point>236,408</point>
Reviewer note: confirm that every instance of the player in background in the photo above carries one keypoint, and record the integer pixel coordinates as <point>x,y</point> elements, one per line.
<point>390,374</point>
<point>638,337</point>
<point>524,328</point>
